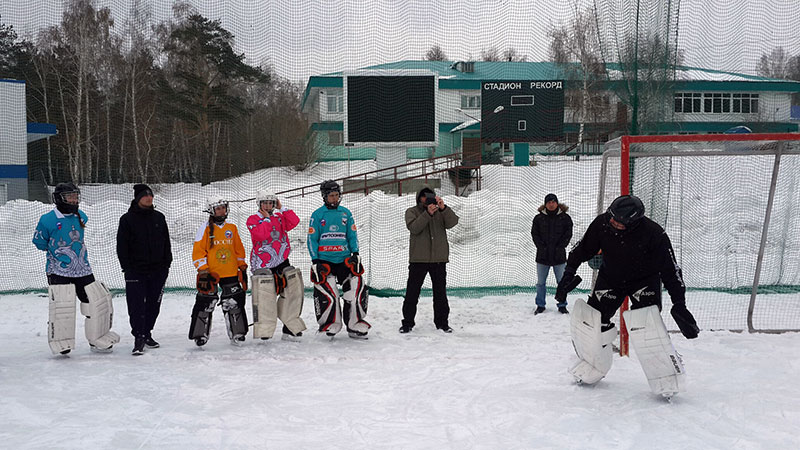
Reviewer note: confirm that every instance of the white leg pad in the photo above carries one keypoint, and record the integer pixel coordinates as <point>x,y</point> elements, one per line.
<point>265,311</point>
<point>61,323</point>
<point>290,303</point>
<point>593,347</point>
<point>661,363</point>
<point>355,307</point>
<point>99,314</point>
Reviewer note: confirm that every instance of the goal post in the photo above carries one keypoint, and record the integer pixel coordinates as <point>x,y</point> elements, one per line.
<point>731,206</point>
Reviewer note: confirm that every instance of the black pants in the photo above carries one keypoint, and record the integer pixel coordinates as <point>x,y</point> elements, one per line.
<point>143,292</point>
<point>416,276</point>
<point>79,282</point>
<point>607,298</point>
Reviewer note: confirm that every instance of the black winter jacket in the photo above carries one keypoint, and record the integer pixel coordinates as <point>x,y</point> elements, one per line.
<point>551,233</point>
<point>630,257</point>
<point>143,240</point>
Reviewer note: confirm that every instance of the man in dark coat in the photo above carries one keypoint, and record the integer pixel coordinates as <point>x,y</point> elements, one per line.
<point>145,254</point>
<point>551,232</point>
<point>428,253</point>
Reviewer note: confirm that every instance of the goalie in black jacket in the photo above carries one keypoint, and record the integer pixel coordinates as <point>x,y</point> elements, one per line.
<point>637,258</point>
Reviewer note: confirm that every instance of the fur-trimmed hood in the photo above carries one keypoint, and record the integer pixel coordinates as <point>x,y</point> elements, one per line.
<point>562,208</point>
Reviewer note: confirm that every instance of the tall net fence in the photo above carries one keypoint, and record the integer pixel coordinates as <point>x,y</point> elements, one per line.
<point>206,98</point>
<point>714,199</point>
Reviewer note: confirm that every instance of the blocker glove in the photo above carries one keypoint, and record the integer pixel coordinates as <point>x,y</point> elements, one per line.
<point>685,320</point>
<point>319,271</point>
<point>568,282</point>
<point>354,263</point>
<point>207,282</point>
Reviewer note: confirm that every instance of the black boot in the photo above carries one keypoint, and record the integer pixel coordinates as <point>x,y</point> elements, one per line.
<point>151,343</point>
<point>563,310</point>
<point>138,346</point>
<point>404,329</point>
<point>539,310</point>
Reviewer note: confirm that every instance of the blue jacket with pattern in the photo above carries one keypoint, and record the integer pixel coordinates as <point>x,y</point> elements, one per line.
<point>61,236</point>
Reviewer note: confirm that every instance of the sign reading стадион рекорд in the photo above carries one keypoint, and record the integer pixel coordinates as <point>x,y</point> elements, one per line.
<point>522,111</point>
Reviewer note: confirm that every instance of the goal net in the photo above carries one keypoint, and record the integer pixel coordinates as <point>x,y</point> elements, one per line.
<point>731,206</point>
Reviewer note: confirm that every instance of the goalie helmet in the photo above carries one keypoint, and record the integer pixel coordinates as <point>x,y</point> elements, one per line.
<point>326,188</point>
<point>213,202</point>
<point>60,194</point>
<point>266,196</point>
<point>627,210</point>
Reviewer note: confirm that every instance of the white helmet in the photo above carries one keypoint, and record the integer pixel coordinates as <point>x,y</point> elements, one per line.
<point>266,196</point>
<point>213,202</point>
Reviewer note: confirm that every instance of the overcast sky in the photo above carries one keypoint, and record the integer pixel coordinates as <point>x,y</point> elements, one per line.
<point>302,38</point>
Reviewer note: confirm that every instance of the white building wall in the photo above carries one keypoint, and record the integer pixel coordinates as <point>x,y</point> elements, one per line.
<point>13,127</point>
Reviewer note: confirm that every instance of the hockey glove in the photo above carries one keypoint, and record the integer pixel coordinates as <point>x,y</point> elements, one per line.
<point>319,272</point>
<point>566,285</point>
<point>685,320</point>
<point>243,276</point>
<point>207,282</point>
<point>354,264</point>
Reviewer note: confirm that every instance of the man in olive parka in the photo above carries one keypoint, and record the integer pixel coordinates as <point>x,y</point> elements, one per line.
<point>428,253</point>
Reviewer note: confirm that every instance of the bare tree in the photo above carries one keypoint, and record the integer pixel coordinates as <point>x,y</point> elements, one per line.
<point>575,47</point>
<point>774,65</point>
<point>490,55</point>
<point>435,53</point>
<point>512,55</point>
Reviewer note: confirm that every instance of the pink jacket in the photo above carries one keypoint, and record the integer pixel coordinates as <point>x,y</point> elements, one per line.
<point>270,238</point>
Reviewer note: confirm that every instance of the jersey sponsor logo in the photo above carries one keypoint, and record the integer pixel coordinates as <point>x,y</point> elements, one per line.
<point>334,228</point>
<point>353,227</point>
<point>328,236</point>
<point>344,220</point>
<point>58,225</point>
<point>223,241</point>
<point>228,234</point>
<point>331,248</point>
<point>311,230</point>
<point>322,222</point>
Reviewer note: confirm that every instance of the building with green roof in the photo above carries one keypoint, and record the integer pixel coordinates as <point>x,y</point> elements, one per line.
<point>699,101</point>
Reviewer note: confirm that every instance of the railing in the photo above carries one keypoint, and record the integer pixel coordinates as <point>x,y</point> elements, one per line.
<point>396,175</point>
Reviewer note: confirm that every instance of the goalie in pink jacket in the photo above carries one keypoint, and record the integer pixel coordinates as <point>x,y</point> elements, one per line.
<point>277,287</point>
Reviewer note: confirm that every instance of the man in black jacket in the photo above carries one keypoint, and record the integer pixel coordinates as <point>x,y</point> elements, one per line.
<point>637,257</point>
<point>145,254</point>
<point>551,232</point>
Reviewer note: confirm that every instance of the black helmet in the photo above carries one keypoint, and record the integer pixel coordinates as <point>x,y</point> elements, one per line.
<point>326,188</point>
<point>59,193</point>
<point>626,209</point>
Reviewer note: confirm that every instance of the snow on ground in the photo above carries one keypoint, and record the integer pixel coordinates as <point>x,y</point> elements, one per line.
<point>499,381</point>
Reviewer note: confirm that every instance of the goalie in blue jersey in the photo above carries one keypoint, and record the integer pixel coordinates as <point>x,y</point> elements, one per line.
<point>333,246</point>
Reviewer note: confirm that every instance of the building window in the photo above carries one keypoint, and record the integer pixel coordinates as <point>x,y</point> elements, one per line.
<point>335,138</point>
<point>688,102</point>
<point>335,103</point>
<point>522,125</point>
<point>470,101</point>
<point>716,102</point>
<point>745,103</point>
